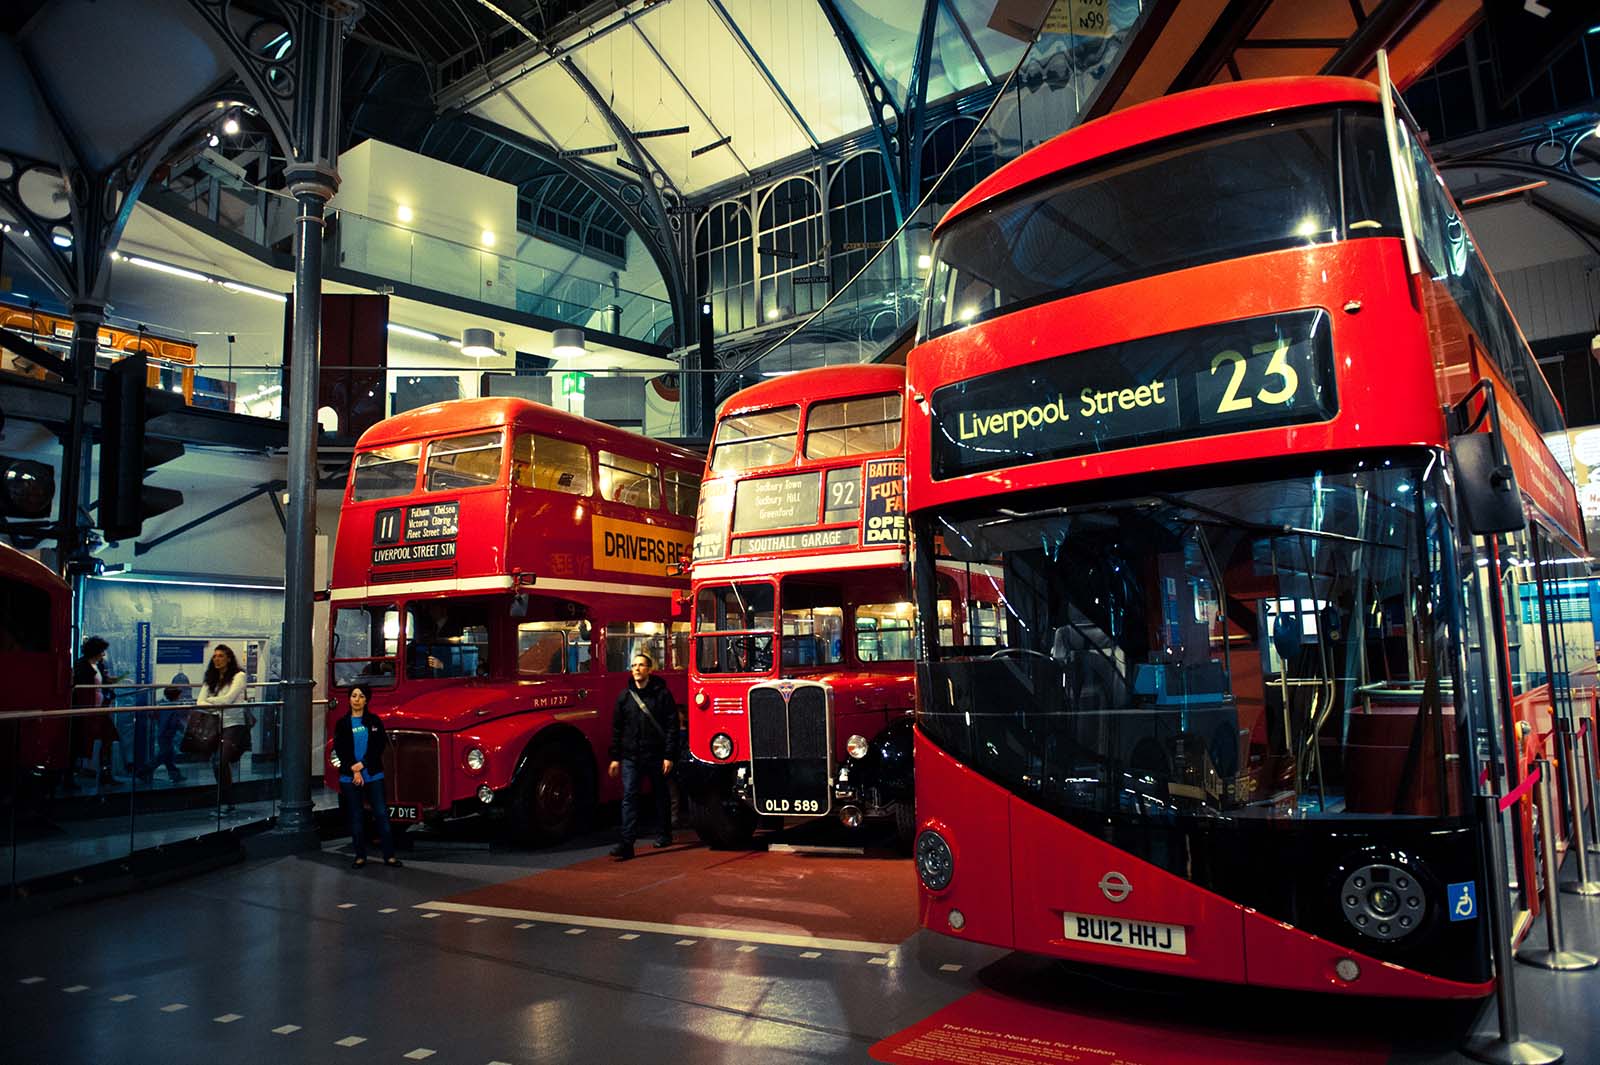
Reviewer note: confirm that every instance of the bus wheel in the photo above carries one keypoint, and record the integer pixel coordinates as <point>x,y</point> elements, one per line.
<point>721,824</point>
<point>905,824</point>
<point>550,798</point>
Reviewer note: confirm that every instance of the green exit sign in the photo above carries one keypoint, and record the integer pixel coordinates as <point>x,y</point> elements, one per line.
<point>572,383</point>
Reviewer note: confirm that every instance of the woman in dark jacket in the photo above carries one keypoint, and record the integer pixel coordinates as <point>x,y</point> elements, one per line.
<point>358,742</point>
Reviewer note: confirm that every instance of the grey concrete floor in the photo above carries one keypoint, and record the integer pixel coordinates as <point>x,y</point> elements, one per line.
<point>303,959</point>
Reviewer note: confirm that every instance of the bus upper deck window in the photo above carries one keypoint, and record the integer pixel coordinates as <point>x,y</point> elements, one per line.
<point>861,426</point>
<point>385,472</point>
<point>683,492</point>
<point>550,464</point>
<point>631,481</point>
<point>464,462</point>
<point>763,438</point>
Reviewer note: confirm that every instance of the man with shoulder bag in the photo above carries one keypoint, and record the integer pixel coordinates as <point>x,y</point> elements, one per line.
<point>644,743</point>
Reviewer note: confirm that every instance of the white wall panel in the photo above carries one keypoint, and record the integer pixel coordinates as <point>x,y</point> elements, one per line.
<point>1554,299</point>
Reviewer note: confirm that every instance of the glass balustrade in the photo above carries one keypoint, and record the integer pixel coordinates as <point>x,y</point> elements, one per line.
<point>104,792</point>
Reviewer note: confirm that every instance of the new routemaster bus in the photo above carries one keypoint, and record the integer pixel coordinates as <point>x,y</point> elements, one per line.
<point>498,564</point>
<point>800,683</point>
<point>1185,378</point>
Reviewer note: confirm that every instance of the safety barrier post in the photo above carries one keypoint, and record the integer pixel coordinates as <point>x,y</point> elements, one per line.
<point>1570,744</point>
<point>1554,956</point>
<point>1509,1047</point>
<point>1586,743</point>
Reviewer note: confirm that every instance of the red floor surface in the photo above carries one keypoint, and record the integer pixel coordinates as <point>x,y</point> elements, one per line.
<point>986,1028</point>
<point>866,899</point>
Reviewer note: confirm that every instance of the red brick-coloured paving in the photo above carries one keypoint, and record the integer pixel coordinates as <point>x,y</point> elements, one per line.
<point>862,898</point>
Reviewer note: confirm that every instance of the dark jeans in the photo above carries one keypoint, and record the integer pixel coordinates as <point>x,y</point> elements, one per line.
<point>373,791</point>
<point>633,772</point>
<point>169,724</point>
<point>235,741</point>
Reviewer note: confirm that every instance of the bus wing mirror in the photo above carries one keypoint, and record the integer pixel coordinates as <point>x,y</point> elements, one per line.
<point>1486,484</point>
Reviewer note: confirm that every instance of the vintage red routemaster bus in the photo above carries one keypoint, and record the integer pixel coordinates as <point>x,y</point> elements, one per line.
<point>801,675</point>
<point>498,564</point>
<point>1194,380</point>
<point>36,659</point>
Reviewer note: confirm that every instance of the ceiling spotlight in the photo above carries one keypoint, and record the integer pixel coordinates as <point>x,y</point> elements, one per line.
<point>479,343</point>
<point>213,140</point>
<point>567,343</point>
<point>230,126</point>
<point>403,213</point>
<point>488,238</point>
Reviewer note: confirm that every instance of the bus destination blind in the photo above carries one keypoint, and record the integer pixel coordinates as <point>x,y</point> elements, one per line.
<point>428,534</point>
<point>1250,374</point>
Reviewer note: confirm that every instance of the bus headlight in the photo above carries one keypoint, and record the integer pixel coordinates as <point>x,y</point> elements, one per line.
<point>700,700</point>
<point>1383,900</point>
<point>935,863</point>
<point>475,759</point>
<point>856,747</point>
<point>722,746</point>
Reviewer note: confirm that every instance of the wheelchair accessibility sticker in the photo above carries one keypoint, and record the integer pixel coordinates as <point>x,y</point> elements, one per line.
<point>1463,899</point>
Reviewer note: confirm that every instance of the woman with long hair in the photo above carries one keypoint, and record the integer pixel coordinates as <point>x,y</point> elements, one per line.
<point>359,741</point>
<point>223,688</point>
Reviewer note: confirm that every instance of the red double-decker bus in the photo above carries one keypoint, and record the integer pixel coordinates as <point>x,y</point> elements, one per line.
<point>1193,381</point>
<point>801,679</point>
<point>35,656</point>
<point>498,564</point>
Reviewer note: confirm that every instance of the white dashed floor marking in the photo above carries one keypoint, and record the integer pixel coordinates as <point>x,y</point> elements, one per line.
<point>525,924</point>
<point>949,968</point>
<point>229,1018</point>
<point>286,1029</point>
<point>350,1041</point>
<point>686,942</point>
<point>629,936</point>
<point>426,916</point>
<point>75,988</point>
<point>347,905</point>
<point>123,998</point>
<point>419,1053</point>
<point>877,961</point>
<point>746,949</point>
<point>31,980</point>
<point>811,954</point>
<point>174,1007</point>
<point>576,931</point>
<point>476,920</point>
<point>387,909</point>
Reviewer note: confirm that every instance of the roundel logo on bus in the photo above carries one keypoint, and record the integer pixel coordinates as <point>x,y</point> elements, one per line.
<point>1115,886</point>
<point>634,547</point>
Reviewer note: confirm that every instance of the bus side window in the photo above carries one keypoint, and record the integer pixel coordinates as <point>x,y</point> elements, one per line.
<point>678,646</point>
<point>631,481</point>
<point>550,464</point>
<point>624,639</point>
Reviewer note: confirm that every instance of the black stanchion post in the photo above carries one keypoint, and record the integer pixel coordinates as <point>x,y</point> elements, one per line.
<point>1554,955</point>
<point>1507,1048</point>
<point>1570,742</point>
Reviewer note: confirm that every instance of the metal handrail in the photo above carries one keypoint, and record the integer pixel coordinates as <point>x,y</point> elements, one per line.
<point>96,711</point>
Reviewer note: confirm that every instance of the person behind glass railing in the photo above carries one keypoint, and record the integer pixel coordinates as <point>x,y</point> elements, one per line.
<point>170,722</point>
<point>223,689</point>
<point>359,740</point>
<point>88,672</point>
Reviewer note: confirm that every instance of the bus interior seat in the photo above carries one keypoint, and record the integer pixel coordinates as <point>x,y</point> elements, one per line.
<point>1093,682</point>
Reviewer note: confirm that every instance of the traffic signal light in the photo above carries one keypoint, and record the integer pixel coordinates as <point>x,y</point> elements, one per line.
<point>127,452</point>
<point>27,488</point>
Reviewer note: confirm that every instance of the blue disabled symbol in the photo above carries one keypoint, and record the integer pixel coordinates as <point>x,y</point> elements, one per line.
<point>1463,900</point>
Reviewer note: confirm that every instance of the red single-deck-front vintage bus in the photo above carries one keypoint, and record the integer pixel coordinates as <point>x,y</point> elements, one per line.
<point>801,679</point>
<point>1196,379</point>
<point>498,565</point>
<point>35,620</point>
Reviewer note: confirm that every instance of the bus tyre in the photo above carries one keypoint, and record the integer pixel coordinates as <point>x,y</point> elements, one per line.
<point>551,797</point>
<point>721,823</point>
<point>905,824</point>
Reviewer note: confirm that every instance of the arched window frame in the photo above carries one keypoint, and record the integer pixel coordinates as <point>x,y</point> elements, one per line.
<point>860,212</point>
<point>724,263</point>
<point>792,281</point>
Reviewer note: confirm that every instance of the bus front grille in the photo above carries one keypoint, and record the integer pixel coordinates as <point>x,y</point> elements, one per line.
<point>790,748</point>
<point>411,768</point>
